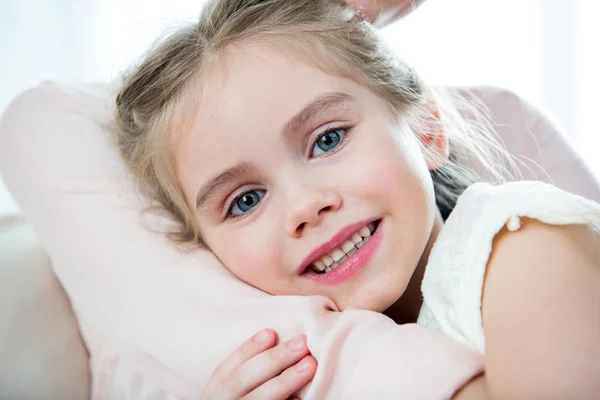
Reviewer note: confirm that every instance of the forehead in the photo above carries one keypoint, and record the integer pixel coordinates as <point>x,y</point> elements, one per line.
<point>254,75</point>
<point>252,90</point>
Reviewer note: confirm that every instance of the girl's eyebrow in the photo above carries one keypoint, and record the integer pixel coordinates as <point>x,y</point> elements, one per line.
<point>320,105</point>
<point>206,192</point>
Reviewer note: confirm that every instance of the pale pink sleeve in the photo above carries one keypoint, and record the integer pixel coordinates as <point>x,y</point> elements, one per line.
<point>547,152</point>
<point>156,321</point>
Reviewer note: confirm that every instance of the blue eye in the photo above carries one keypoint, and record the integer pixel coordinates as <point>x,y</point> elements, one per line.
<point>246,202</point>
<point>328,141</point>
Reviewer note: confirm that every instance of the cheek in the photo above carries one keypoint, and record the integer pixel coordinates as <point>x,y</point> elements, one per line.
<point>247,253</point>
<point>392,169</point>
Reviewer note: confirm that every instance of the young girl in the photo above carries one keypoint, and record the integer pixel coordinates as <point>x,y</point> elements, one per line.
<point>284,138</point>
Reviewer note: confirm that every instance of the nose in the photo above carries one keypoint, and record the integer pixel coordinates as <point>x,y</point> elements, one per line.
<point>309,206</point>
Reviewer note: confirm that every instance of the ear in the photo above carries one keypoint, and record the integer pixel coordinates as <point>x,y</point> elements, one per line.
<point>433,138</point>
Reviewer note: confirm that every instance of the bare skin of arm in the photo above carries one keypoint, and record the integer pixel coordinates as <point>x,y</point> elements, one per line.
<point>541,315</point>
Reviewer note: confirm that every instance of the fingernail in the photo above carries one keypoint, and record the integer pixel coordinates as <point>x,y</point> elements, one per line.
<point>296,343</point>
<point>261,337</point>
<point>303,365</point>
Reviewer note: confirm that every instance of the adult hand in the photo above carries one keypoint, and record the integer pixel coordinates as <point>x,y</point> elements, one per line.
<point>382,12</point>
<point>262,371</point>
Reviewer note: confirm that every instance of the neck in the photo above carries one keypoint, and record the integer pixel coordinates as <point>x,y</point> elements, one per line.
<point>406,309</point>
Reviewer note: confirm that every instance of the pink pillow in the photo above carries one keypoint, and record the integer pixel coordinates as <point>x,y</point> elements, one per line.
<point>156,321</point>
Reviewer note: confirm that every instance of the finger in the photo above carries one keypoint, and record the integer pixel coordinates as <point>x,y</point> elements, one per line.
<point>265,366</point>
<point>258,343</point>
<point>288,382</point>
<point>368,8</point>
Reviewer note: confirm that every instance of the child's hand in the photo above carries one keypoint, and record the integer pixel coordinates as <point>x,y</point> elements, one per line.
<point>257,370</point>
<point>382,12</point>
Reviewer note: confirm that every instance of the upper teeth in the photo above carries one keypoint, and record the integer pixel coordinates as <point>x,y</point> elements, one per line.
<point>339,255</point>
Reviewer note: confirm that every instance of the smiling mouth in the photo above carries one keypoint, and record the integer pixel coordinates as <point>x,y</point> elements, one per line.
<point>337,256</point>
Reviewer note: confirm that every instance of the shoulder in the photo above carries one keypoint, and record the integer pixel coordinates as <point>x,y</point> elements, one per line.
<point>544,246</point>
<point>536,259</point>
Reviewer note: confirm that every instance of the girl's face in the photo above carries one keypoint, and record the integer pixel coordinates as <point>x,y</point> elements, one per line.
<point>293,168</point>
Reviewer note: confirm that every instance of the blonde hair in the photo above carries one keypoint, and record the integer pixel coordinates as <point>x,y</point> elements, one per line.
<point>327,32</point>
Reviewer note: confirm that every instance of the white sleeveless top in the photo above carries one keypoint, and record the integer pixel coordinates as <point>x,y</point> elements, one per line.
<point>453,283</point>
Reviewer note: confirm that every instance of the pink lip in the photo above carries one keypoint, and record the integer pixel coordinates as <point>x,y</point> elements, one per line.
<point>352,265</point>
<point>334,243</point>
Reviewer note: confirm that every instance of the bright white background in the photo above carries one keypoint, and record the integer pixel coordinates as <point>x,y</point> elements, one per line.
<point>545,50</point>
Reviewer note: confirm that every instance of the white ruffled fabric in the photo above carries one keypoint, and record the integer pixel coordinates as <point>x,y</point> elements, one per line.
<point>453,282</point>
